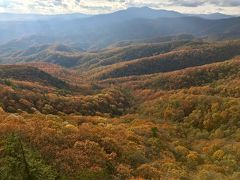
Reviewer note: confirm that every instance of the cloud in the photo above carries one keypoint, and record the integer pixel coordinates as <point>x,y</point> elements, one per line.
<point>187,3</point>
<point>104,6</point>
<point>225,3</point>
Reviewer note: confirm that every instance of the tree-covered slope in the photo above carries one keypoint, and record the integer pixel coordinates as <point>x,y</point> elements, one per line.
<point>30,74</point>
<point>174,60</point>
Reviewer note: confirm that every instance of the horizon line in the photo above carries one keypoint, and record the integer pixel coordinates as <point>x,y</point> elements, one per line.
<point>124,9</point>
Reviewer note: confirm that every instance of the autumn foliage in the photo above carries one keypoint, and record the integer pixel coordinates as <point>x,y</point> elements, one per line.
<point>63,124</point>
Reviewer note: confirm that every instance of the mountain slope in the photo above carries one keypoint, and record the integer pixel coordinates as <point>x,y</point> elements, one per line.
<point>30,74</point>
<point>175,60</point>
<point>196,76</point>
<point>53,53</point>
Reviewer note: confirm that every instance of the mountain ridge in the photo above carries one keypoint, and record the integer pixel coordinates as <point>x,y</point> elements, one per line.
<point>100,31</point>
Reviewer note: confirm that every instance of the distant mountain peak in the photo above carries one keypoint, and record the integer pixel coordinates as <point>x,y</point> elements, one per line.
<point>147,12</point>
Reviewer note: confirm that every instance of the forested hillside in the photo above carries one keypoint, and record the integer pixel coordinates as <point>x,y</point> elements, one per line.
<point>187,56</point>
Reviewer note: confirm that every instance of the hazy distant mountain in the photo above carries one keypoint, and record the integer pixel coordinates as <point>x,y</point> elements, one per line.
<point>127,14</point>
<point>213,16</point>
<point>148,13</point>
<point>102,30</point>
<point>134,13</point>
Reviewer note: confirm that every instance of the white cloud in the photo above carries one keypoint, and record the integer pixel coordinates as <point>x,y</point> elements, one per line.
<point>104,6</point>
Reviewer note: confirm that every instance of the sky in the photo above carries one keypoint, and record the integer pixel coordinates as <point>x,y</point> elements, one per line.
<point>106,6</point>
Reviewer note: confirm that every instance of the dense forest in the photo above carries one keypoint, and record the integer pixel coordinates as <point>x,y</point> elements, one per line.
<point>59,123</point>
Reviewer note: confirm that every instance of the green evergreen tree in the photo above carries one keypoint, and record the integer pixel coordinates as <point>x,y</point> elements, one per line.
<point>18,162</point>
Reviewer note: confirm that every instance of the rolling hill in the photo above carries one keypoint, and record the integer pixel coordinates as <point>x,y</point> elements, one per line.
<point>68,56</point>
<point>30,74</point>
<point>188,56</point>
